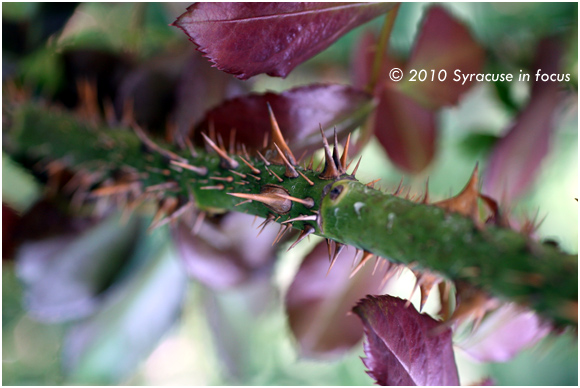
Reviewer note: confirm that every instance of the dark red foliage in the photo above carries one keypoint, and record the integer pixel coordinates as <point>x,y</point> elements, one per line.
<point>299,113</point>
<point>402,347</point>
<point>406,130</point>
<point>318,305</point>
<point>247,39</point>
<point>443,44</point>
<point>226,252</point>
<point>517,157</point>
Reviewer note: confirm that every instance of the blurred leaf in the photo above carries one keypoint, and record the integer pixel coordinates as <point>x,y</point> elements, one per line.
<point>299,113</point>
<point>64,275</point>
<point>132,319</point>
<point>517,157</point>
<point>9,221</point>
<point>503,334</point>
<point>401,347</point>
<point>443,44</point>
<point>200,88</point>
<point>406,130</point>
<point>246,39</point>
<point>228,253</point>
<point>318,305</point>
<point>476,143</point>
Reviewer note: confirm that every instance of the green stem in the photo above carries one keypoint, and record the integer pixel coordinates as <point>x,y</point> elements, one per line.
<point>498,260</point>
<point>382,47</point>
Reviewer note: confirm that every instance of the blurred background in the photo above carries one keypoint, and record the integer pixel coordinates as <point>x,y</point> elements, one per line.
<point>96,299</point>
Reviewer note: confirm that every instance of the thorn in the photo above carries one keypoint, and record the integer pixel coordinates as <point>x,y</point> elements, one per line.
<point>465,202</point>
<point>177,213</point>
<point>198,223</point>
<point>276,175</point>
<point>355,258</point>
<point>254,220</point>
<point>329,246</point>
<point>307,180</point>
<point>190,147</point>
<point>330,170</point>
<point>310,163</point>
<point>337,250</point>
<point>162,186</point>
<point>263,158</point>
<point>372,184</point>
<point>301,218</point>
<point>263,225</point>
<point>307,231</point>
<point>335,157</point>
<point>255,177</point>
<point>299,160</point>
<point>398,190</point>
<point>216,187</point>
<point>119,188</point>
<point>232,164</point>
<point>153,146</point>
<point>356,167</point>
<point>241,203</point>
<point>366,257</point>
<point>426,197</point>
<point>271,196</point>
<point>281,232</point>
<point>277,138</point>
<point>238,174</point>
<point>245,151</point>
<point>251,166</point>
<point>307,202</point>
<point>345,154</point>
<point>198,170</point>
<point>290,170</point>
<point>228,179</point>
<point>377,261</point>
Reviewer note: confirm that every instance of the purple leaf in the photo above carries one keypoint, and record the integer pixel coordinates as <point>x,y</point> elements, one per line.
<point>228,253</point>
<point>299,113</point>
<point>517,157</point>
<point>246,39</point>
<point>201,87</point>
<point>318,305</point>
<point>66,276</point>
<point>443,44</point>
<point>406,130</point>
<point>401,347</point>
<point>503,334</point>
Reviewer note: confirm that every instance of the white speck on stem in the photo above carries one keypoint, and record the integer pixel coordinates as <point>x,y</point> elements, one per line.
<point>391,217</point>
<point>357,207</point>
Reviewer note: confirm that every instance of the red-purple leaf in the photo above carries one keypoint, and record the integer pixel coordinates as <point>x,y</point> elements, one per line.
<point>318,305</point>
<point>503,334</point>
<point>299,113</point>
<point>401,347</point>
<point>247,39</point>
<point>443,44</point>
<point>406,130</point>
<point>226,253</point>
<point>517,157</point>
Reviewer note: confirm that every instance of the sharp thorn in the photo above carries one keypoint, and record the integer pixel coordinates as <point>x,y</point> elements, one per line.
<point>232,164</point>
<point>216,187</point>
<point>263,225</point>
<point>366,257</point>
<point>198,170</point>
<point>277,138</point>
<point>307,231</point>
<point>307,180</point>
<point>290,170</point>
<point>372,184</point>
<point>263,158</point>
<point>232,141</point>
<point>356,167</point>
<point>345,154</point>
<point>251,166</point>
<point>301,218</point>
<point>330,170</point>
<point>307,202</point>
